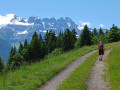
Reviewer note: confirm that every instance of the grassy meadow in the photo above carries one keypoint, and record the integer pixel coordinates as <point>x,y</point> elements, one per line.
<point>113,72</point>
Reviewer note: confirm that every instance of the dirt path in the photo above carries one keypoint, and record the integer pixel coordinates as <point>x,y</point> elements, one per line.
<point>54,83</point>
<point>96,80</point>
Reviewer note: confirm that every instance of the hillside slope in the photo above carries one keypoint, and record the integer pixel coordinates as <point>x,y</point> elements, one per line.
<point>4,49</point>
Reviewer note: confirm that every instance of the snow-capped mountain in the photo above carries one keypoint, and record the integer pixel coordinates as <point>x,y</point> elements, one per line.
<point>20,28</point>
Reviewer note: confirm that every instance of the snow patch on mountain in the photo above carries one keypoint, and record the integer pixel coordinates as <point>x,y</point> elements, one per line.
<point>80,27</point>
<point>43,31</point>
<point>24,32</point>
<point>20,21</point>
<point>69,24</point>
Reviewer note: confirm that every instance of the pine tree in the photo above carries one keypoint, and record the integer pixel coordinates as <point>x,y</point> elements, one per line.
<point>24,54</point>
<point>74,38</point>
<point>101,31</point>
<point>59,40</point>
<point>107,31</point>
<point>42,47</point>
<point>67,41</point>
<point>85,37</point>
<point>35,47</point>
<point>28,54</point>
<point>95,32</point>
<point>1,65</point>
<point>47,37</point>
<point>10,59</point>
<point>113,34</point>
<point>51,41</point>
<point>20,48</point>
<point>25,43</point>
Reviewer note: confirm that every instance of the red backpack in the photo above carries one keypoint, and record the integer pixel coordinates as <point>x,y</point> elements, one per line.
<point>100,47</point>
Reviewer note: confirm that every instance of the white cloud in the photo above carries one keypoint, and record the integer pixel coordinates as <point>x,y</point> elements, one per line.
<point>21,23</point>
<point>101,25</point>
<point>6,19</point>
<point>85,23</point>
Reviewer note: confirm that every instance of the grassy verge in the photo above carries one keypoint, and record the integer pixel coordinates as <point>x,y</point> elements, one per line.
<point>31,77</point>
<point>111,45</point>
<point>113,71</point>
<point>77,79</point>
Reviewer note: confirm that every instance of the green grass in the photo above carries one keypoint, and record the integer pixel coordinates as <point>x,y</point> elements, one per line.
<point>77,79</point>
<point>31,77</point>
<point>113,72</point>
<point>111,45</point>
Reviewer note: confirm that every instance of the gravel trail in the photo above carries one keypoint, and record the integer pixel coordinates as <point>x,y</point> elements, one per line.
<point>96,80</point>
<point>54,83</point>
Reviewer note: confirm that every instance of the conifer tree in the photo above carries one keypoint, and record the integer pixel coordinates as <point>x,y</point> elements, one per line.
<point>35,47</point>
<point>101,31</point>
<point>67,41</point>
<point>1,65</point>
<point>20,48</point>
<point>25,43</point>
<point>95,32</point>
<point>74,38</point>
<point>113,35</point>
<point>42,47</point>
<point>51,41</point>
<point>59,40</point>
<point>28,54</point>
<point>107,31</point>
<point>25,52</point>
<point>10,59</point>
<point>85,37</point>
<point>46,37</point>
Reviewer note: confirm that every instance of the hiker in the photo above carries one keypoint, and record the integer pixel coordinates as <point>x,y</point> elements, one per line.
<point>101,50</point>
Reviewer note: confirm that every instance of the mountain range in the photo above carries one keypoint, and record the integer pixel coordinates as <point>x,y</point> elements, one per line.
<point>20,28</point>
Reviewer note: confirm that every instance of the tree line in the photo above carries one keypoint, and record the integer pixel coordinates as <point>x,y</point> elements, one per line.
<point>40,47</point>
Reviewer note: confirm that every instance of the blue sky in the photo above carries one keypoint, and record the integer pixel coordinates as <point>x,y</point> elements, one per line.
<point>92,12</point>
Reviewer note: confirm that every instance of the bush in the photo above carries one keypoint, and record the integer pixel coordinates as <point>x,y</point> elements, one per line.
<point>16,62</point>
<point>55,52</point>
